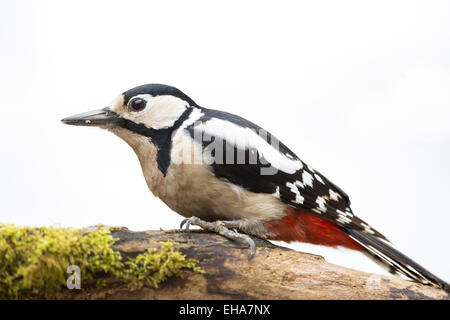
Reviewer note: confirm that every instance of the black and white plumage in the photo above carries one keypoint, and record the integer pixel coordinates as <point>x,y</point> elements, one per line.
<point>244,174</point>
<point>293,181</point>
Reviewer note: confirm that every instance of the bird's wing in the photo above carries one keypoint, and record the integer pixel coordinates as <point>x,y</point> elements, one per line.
<point>232,142</point>
<point>252,158</point>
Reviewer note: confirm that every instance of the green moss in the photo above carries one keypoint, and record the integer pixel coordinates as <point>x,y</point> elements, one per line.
<point>156,266</point>
<point>34,261</point>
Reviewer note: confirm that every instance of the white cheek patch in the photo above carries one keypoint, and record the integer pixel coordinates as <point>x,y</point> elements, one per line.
<point>246,138</point>
<point>160,112</point>
<point>164,111</point>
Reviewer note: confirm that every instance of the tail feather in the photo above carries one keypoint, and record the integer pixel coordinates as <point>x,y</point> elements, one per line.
<point>396,261</point>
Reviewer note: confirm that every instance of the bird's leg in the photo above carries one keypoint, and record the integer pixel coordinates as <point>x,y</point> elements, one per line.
<point>223,228</point>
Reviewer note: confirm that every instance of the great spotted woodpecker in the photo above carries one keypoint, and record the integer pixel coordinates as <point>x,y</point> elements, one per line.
<point>225,173</point>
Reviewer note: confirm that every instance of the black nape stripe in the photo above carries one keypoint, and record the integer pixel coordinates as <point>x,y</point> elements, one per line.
<point>162,138</point>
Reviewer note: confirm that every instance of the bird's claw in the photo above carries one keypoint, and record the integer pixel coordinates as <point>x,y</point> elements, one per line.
<point>252,245</point>
<point>222,228</point>
<point>188,224</point>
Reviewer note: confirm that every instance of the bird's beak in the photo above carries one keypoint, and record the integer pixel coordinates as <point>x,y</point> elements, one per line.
<point>93,118</point>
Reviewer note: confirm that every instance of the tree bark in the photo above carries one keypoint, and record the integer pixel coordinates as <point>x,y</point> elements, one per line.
<point>274,273</point>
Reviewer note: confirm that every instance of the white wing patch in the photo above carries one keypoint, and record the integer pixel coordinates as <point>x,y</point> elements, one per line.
<point>334,195</point>
<point>307,178</point>
<point>246,138</point>
<point>299,184</point>
<point>318,178</point>
<point>298,197</point>
<point>322,204</point>
<point>344,217</point>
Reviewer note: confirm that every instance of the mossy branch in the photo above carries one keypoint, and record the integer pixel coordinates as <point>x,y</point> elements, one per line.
<point>117,263</point>
<point>35,261</point>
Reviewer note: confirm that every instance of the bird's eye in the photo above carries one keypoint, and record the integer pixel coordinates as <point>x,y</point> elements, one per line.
<point>137,104</point>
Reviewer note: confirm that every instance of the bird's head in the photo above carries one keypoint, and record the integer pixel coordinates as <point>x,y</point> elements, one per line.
<point>140,110</point>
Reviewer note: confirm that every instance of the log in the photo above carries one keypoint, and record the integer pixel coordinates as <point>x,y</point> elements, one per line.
<point>274,273</point>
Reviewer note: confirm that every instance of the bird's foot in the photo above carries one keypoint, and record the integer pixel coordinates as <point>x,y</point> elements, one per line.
<point>223,228</point>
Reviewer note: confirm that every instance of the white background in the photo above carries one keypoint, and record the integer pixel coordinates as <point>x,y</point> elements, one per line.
<point>359,90</point>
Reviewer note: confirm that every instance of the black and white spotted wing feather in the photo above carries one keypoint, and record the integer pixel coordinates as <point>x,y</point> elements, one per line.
<point>304,188</point>
<point>295,183</point>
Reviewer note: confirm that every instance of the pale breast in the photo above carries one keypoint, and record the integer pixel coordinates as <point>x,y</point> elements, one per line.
<point>191,189</point>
